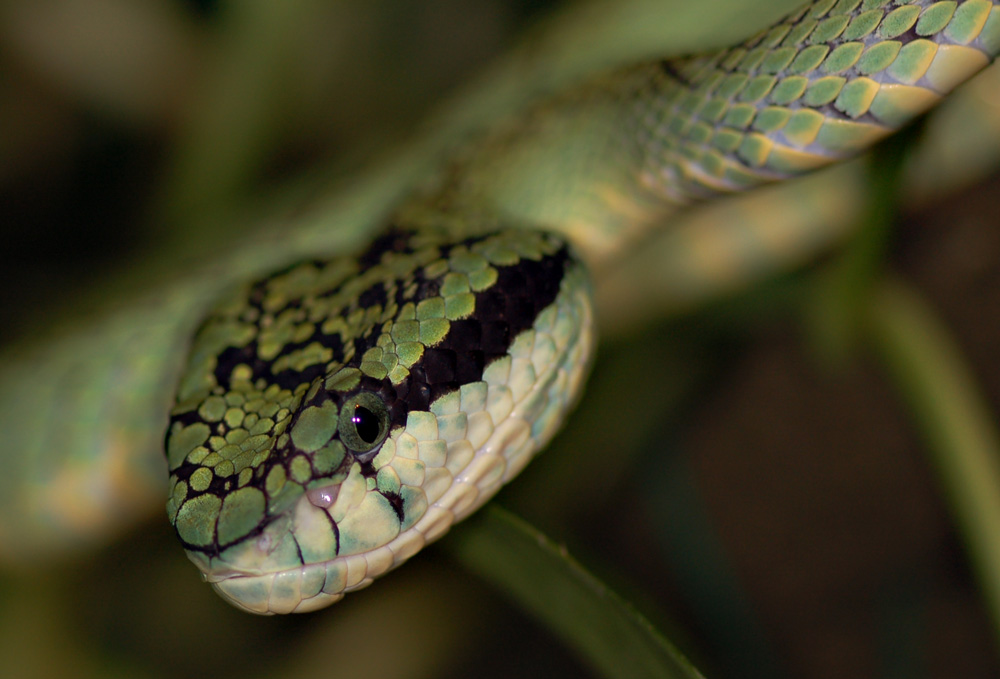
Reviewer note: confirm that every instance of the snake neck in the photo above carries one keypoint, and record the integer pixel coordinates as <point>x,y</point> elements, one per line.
<point>611,160</point>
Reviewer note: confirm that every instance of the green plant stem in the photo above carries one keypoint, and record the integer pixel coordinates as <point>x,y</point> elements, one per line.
<point>963,443</point>
<point>834,312</point>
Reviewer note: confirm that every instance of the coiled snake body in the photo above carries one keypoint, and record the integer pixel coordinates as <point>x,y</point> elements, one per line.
<point>337,415</point>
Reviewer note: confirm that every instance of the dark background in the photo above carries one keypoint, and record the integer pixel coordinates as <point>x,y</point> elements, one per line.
<point>783,518</point>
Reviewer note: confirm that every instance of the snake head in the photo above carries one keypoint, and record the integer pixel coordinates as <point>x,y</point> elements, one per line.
<point>338,416</point>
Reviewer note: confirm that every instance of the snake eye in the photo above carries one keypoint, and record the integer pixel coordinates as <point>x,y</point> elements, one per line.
<point>364,422</point>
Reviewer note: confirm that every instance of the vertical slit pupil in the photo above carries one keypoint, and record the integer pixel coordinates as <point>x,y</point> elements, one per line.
<point>366,423</point>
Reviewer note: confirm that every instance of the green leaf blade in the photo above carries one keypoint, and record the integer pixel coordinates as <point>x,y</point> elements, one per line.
<point>605,630</point>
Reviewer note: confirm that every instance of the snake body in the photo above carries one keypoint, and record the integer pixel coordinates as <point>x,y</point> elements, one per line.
<point>335,416</point>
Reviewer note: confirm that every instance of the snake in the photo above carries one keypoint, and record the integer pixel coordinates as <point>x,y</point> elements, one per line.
<point>335,416</point>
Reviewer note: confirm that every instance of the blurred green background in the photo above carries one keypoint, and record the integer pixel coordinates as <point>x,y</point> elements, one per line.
<point>774,516</point>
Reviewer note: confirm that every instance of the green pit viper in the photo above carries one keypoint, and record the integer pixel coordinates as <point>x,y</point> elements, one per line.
<point>336,415</point>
